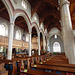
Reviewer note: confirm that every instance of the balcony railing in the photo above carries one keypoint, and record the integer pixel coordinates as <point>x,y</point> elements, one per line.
<point>17,43</point>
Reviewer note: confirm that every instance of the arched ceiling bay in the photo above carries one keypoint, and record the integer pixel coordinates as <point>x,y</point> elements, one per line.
<point>72,10</point>
<point>3,11</point>
<point>20,21</point>
<point>47,11</point>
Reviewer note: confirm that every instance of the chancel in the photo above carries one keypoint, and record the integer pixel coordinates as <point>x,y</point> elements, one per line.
<point>37,37</point>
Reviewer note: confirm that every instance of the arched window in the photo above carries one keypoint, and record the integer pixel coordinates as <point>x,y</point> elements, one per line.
<point>56,47</point>
<point>55,36</point>
<point>2,30</point>
<point>18,35</point>
<point>27,38</point>
<point>1,49</point>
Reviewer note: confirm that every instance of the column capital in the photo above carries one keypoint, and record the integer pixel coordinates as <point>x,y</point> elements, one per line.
<point>65,2</point>
<point>29,33</point>
<point>12,24</point>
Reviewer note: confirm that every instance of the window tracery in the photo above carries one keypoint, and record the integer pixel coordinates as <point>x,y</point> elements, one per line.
<point>56,47</point>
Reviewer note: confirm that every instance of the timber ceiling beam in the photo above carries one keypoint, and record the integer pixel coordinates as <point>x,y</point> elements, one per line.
<point>46,15</point>
<point>38,3</point>
<point>35,8</point>
<point>72,1</point>
<point>2,9</point>
<point>52,2</point>
<point>51,12</point>
<point>51,19</point>
<point>57,23</point>
<point>73,18</point>
<point>20,21</point>
<point>53,27</point>
<point>72,8</point>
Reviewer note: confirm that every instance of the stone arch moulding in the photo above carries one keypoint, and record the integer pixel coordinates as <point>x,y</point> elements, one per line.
<point>34,24</point>
<point>46,35</point>
<point>61,44</point>
<point>60,41</point>
<point>9,9</point>
<point>22,13</point>
<point>55,34</point>
<point>43,35</point>
<point>51,34</point>
<point>41,31</point>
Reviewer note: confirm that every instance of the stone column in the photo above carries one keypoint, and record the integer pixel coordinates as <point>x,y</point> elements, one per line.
<point>48,44</point>
<point>29,44</point>
<point>39,44</point>
<point>10,41</point>
<point>44,42</point>
<point>67,31</point>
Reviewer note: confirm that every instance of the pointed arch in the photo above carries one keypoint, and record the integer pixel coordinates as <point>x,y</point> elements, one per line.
<point>22,13</point>
<point>9,9</point>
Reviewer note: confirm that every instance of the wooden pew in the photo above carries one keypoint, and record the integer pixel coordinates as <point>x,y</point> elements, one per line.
<point>35,72</point>
<point>59,59</point>
<point>10,66</point>
<point>55,63</point>
<point>52,62</point>
<point>21,61</point>
<point>4,73</point>
<point>55,68</point>
<point>3,70</point>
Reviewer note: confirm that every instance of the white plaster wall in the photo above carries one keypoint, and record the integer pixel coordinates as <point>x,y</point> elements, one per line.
<point>54,31</point>
<point>26,36</point>
<point>41,26</point>
<point>28,10</point>
<point>37,18</point>
<point>15,28</point>
<point>6,22</point>
<point>19,6</point>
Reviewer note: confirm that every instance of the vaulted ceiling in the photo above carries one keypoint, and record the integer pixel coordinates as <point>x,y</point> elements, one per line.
<point>48,12</point>
<point>20,21</point>
<point>3,11</point>
<point>72,10</point>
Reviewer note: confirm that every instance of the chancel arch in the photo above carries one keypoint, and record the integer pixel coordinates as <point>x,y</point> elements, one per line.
<point>54,31</point>
<point>53,39</point>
